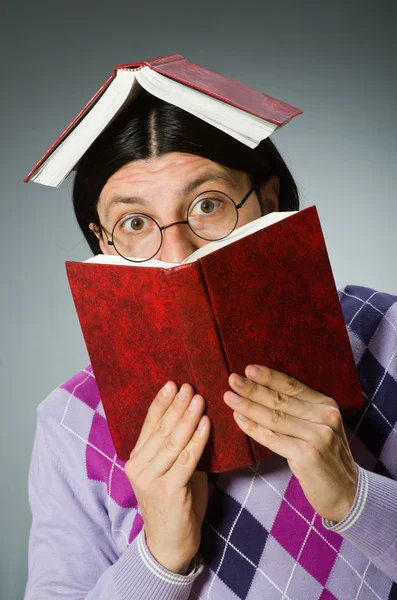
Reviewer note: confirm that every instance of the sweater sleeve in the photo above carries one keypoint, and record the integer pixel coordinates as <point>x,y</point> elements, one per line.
<point>71,551</point>
<point>371,523</point>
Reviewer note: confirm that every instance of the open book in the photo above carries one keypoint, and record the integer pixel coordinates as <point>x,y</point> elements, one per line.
<point>240,111</point>
<point>265,296</point>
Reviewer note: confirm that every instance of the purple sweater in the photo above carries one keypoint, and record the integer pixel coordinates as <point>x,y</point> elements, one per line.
<point>260,537</point>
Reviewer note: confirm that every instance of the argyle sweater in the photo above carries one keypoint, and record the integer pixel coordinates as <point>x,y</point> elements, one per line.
<point>261,539</point>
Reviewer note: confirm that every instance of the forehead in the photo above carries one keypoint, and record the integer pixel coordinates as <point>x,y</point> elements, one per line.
<point>173,169</point>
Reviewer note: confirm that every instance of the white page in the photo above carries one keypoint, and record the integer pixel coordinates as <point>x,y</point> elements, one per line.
<point>243,126</point>
<point>119,93</point>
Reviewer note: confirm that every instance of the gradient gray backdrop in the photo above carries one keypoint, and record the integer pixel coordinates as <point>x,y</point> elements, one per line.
<point>335,60</point>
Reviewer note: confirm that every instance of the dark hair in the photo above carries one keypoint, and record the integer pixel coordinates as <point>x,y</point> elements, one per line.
<point>149,127</point>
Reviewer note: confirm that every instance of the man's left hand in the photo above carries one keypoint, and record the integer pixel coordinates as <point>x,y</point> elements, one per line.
<point>303,426</point>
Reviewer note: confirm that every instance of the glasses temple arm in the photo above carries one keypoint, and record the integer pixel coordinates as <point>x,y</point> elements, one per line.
<point>247,195</point>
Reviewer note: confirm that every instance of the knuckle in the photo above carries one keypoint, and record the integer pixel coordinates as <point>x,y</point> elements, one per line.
<point>250,425</point>
<point>269,436</point>
<point>278,416</point>
<point>331,402</point>
<point>333,416</point>
<point>313,453</point>
<point>172,446</point>
<point>130,469</point>
<point>326,437</point>
<point>253,387</point>
<point>185,457</point>
<point>162,429</point>
<point>293,385</point>
<point>280,400</point>
<point>144,485</point>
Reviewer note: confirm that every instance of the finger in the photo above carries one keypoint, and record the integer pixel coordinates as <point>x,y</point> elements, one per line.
<point>177,441</point>
<point>183,468</point>
<point>277,420</point>
<point>284,445</point>
<point>326,414</point>
<point>156,410</point>
<point>164,427</point>
<point>281,382</point>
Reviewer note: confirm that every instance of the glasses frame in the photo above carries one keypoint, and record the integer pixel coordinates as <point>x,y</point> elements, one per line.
<point>186,222</point>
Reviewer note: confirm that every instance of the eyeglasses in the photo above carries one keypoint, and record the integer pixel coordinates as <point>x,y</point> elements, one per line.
<point>212,215</point>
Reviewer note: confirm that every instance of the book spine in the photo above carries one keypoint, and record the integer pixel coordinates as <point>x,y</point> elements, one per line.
<point>158,60</point>
<point>209,367</point>
<point>220,299</point>
<point>163,60</point>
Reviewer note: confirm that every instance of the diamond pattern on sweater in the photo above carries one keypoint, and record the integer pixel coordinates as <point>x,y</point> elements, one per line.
<point>233,546</point>
<point>279,576</point>
<point>315,550</point>
<point>84,387</point>
<point>373,423</point>
<point>100,468</point>
<point>261,538</point>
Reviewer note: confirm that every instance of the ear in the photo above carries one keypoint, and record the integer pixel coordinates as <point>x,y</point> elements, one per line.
<point>98,232</point>
<point>269,191</point>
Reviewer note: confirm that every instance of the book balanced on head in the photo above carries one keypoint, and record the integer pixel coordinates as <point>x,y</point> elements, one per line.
<point>240,111</point>
<point>263,295</point>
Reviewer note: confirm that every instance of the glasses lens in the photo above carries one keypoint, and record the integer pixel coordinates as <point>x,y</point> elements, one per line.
<point>136,237</point>
<point>212,215</point>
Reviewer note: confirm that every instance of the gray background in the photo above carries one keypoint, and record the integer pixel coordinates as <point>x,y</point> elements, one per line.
<point>335,60</point>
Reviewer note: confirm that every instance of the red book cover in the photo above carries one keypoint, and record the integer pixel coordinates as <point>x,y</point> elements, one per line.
<point>268,298</point>
<point>223,88</point>
<point>206,81</point>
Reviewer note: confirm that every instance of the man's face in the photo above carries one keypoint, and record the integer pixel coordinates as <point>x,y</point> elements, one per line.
<point>163,188</point>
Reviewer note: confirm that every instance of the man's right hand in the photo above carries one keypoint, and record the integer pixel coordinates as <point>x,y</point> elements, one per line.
<point>161,469</point>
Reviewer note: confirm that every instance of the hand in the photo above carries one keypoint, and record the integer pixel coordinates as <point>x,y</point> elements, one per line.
<point>161,469</point>
<point>303,426</point>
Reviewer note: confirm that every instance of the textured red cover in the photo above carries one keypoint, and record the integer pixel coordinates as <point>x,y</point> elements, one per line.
<point>268,298</point>
<point>207,81</point>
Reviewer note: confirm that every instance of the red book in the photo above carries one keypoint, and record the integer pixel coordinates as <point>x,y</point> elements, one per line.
<point>240,111</point>
<point>267,298</point>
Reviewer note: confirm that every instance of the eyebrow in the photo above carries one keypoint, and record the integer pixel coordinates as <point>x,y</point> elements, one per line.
<point>189,187</point>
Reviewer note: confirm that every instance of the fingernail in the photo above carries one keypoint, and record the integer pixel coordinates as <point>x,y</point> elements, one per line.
<point>253,371</point>
<point>240,381</point>
<point>184,392</point>
<point>167,389</point>
<point>194,403</point>
<point>233,398</point>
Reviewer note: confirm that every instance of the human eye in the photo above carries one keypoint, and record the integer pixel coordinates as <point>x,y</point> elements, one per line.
<point>208,204</point>
<point>134,224</point>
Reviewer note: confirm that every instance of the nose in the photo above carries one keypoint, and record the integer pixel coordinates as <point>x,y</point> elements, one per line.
<point>178,243</point>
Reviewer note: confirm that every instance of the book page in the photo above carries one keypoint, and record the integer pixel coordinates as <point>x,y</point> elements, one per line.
<point>119,93</point>
<point>240,232</point>
<point>243,126</point>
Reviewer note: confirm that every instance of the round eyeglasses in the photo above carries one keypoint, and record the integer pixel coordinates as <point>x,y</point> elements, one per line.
<point>212,215</point>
